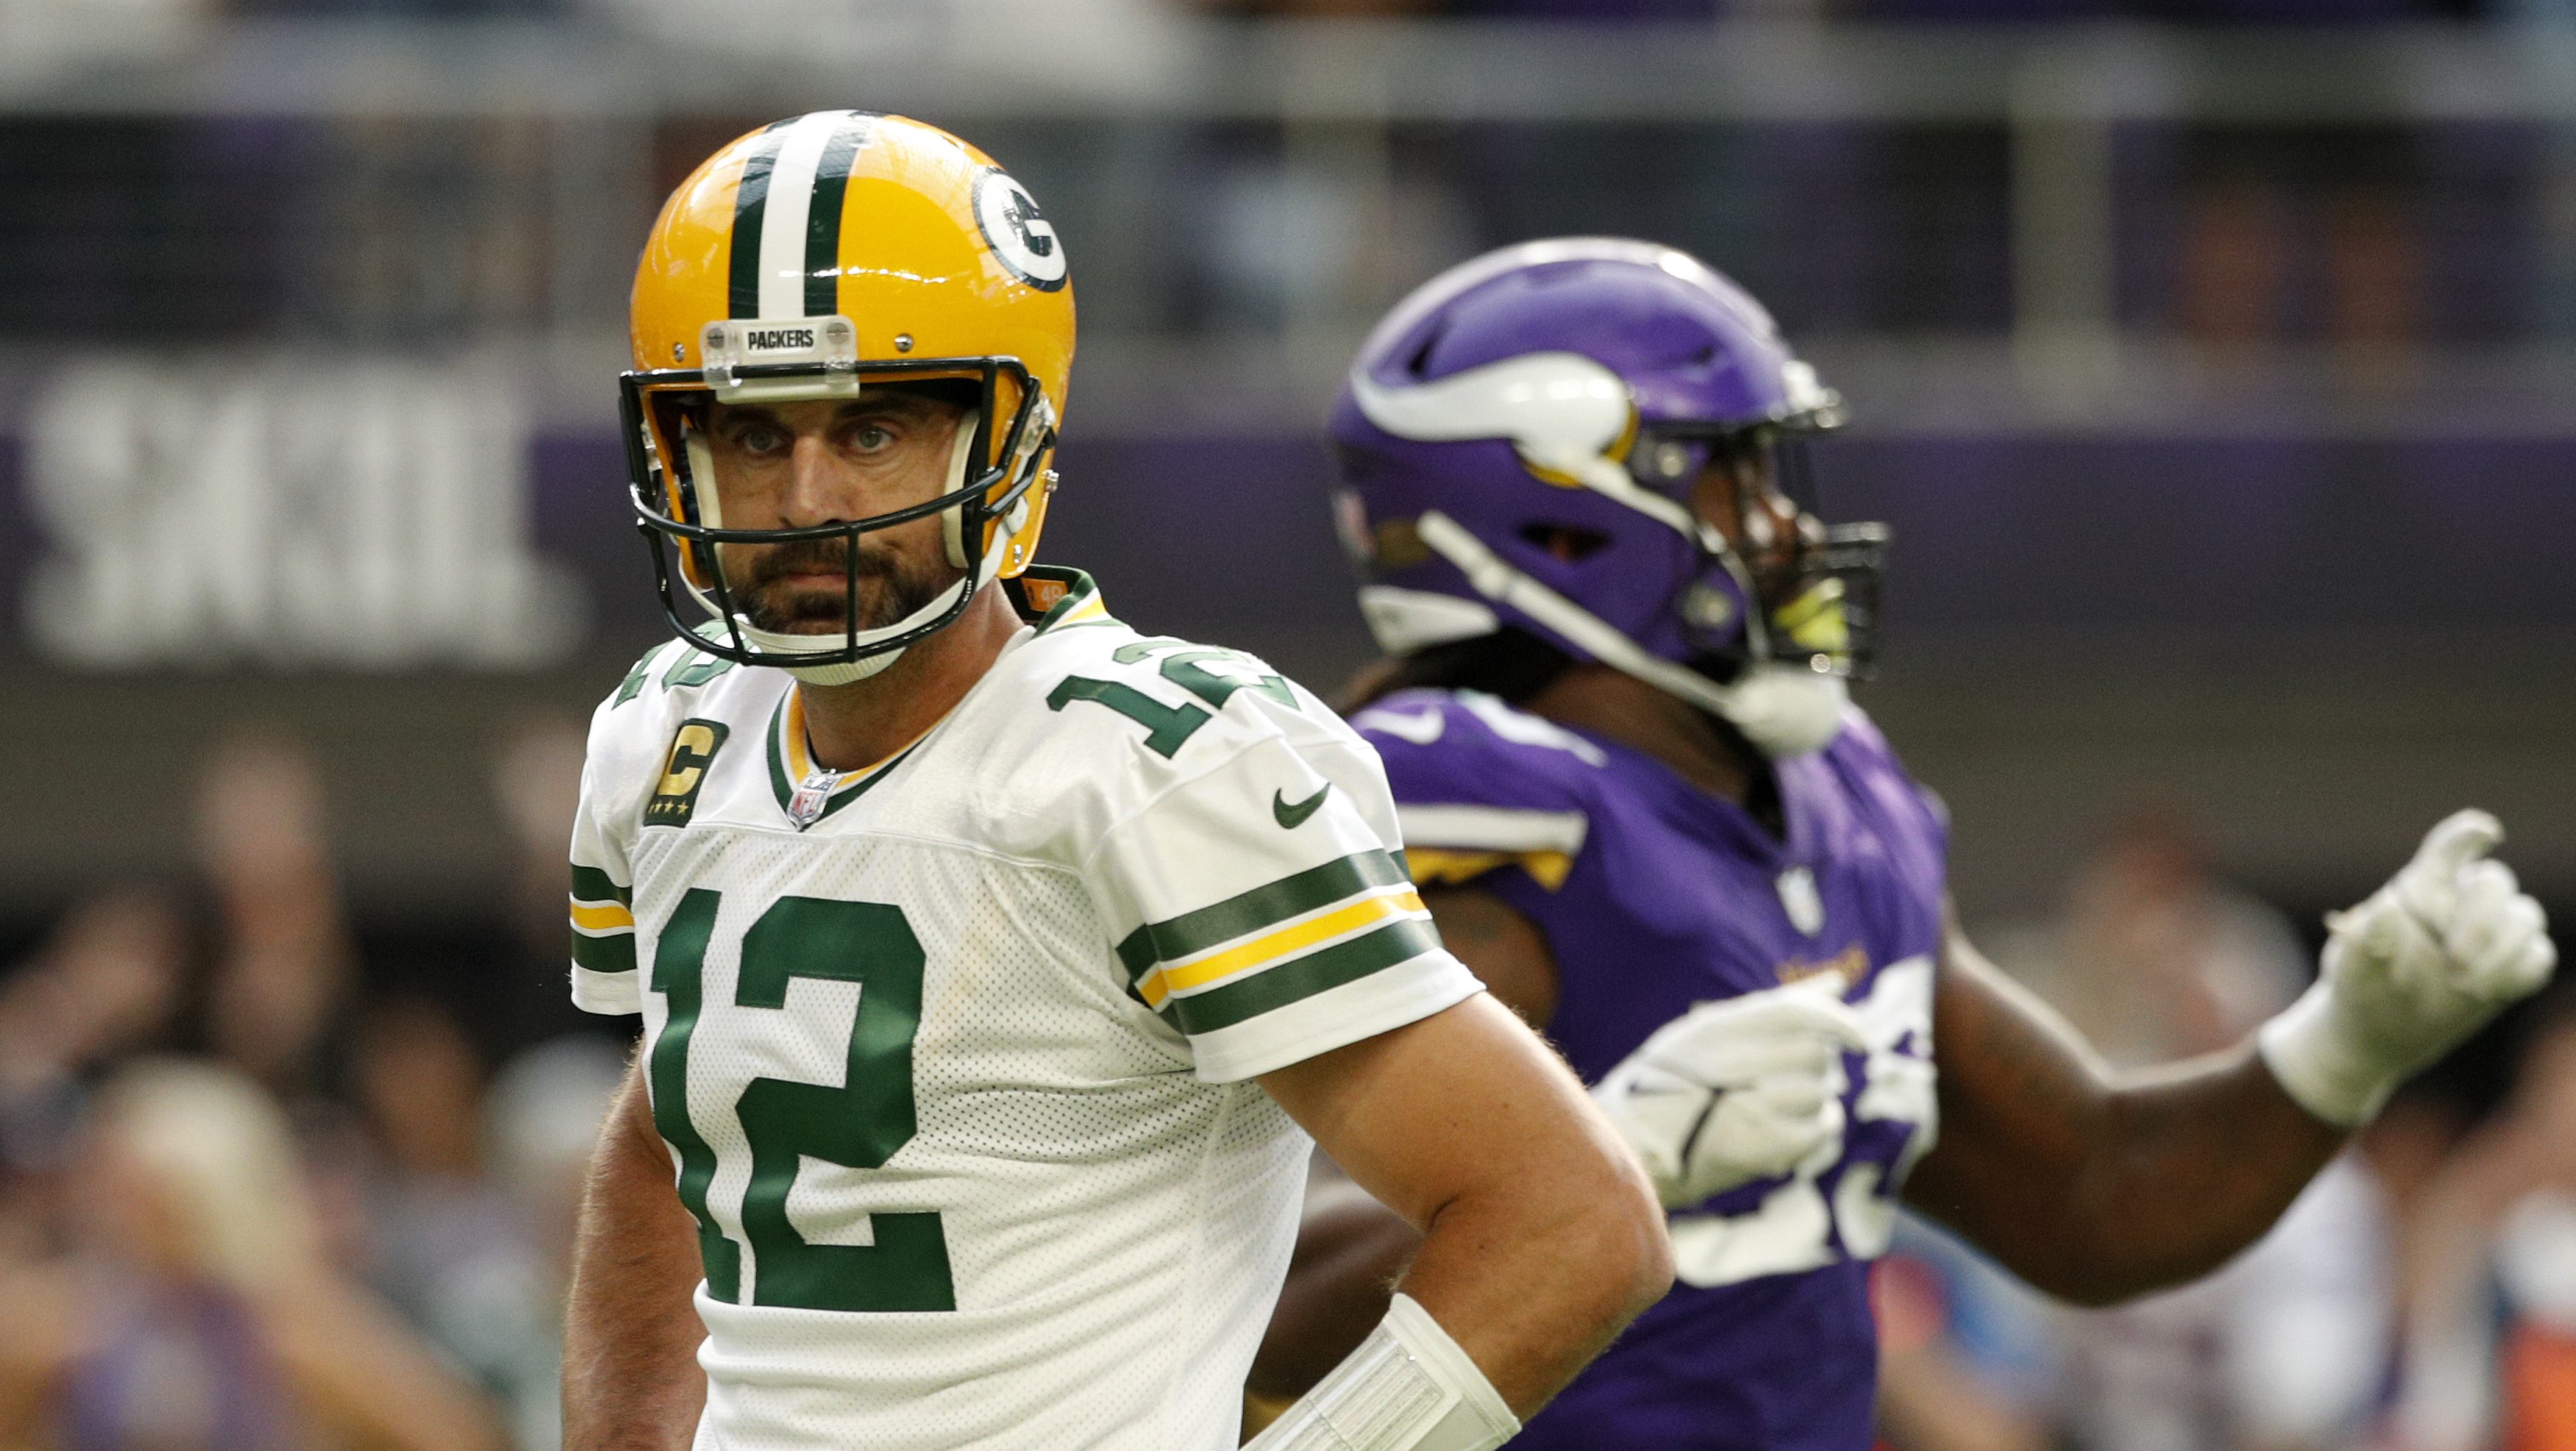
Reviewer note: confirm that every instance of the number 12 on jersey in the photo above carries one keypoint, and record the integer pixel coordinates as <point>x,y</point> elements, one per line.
<point>858,1125</point>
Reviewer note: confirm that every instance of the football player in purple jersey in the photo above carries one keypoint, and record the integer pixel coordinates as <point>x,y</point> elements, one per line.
<point>1644,810</point>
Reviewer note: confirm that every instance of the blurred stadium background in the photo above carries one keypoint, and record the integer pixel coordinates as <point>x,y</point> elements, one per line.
<point>2211,359</point>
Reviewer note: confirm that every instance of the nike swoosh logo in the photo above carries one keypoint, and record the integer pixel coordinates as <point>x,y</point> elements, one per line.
<point>1294,816</point>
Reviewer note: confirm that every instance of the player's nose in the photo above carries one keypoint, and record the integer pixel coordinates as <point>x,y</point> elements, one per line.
<point>818,484</point>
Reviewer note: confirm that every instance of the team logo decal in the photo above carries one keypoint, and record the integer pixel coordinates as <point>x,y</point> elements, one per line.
<point>684,771</point>
<point>1018,233</point>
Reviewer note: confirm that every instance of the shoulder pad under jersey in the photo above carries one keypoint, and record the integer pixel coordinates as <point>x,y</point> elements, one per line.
<point>1479,785</point>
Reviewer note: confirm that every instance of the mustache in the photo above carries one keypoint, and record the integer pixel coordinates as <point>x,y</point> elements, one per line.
<point>814,556</point>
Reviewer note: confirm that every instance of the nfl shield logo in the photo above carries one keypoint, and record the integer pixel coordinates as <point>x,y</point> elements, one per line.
<point>806,806</point>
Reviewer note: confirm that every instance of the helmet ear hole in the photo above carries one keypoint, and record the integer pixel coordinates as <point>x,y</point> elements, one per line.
<point>1566,543</point>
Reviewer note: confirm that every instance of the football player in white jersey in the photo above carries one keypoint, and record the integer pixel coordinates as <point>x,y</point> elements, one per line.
<point>991,955</point>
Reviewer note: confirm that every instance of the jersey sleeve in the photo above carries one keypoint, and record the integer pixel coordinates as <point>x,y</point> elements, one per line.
<point>1263,910</point>
<point>603,899</point>
<point>1480,787</point>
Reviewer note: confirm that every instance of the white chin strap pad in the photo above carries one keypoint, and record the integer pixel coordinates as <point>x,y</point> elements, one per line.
<point>1784,710</point>
<point>952,522</point>
<point>1407,1388</point>
<point>1787,710</point>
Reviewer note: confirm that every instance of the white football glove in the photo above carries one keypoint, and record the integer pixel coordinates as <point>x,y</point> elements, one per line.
<point>1732,1091</point>
<point>2410,972</point>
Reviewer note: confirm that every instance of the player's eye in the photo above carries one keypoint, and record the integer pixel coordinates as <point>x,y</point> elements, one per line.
<point>869,437</point>
<point>760,438</point>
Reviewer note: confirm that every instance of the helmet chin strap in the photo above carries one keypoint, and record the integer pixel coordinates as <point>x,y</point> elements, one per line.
<point>952,533</point>
<point>1784,710</point>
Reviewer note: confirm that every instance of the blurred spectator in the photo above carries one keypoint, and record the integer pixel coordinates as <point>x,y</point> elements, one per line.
<point>107,980</point>
<point>2293,235</point>
<point>286,957</point>
<point>2490,1274</point>
<point>540,1122</point>
<point>536,783</point>
<point>1966,1359</point>
<point>195,1310</point>
<point>447,1247</point>
<point>2155,958</point>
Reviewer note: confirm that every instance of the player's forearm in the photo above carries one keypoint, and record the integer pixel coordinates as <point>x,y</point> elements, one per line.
<point>2188,1166</point>
<point>2096,1188</point>
<point>1533,1283</point>
<point>631,1333</point>
<point>1541,1235</point>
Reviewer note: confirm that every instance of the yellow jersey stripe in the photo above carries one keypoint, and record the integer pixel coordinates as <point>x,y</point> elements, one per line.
<point>1443,866</point>
<point>1270,947</point>
<point>602,917</point>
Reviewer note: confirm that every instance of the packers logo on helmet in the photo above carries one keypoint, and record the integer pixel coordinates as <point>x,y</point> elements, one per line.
<point>811,259</point>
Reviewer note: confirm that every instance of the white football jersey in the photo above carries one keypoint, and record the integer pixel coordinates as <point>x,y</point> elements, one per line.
<point>952,1052</point>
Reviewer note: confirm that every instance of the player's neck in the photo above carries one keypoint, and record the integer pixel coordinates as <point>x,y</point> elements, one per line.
<point>1601,700</point>
<point>865,721</point>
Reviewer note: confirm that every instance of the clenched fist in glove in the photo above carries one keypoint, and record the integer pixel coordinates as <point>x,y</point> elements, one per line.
<point>1732,1091</point>
<point>2417,967</point>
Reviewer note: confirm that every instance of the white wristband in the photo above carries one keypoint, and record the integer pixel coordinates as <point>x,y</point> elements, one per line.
<point>2319,1061</point>
<point>1407,1388</point>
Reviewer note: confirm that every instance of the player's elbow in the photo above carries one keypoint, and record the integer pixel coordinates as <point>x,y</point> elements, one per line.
<point>1650,1255</point>
<point>2107,1279</point>
<point>1624,1229</point>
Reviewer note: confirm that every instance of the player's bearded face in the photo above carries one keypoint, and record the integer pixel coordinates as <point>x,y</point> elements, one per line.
<point>797,465</point>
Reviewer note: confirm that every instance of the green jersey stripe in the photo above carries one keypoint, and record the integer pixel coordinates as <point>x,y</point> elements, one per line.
<point>613,953</point>
<point>779,785</point>
<point>590,884</point>
<point>1283,983</point>
<point>1248,912</point>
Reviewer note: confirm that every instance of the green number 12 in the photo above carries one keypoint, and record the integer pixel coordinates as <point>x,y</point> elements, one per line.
<point>858,1125</point>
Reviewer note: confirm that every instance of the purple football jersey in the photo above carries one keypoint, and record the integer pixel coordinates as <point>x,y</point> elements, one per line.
<point>1654,897</point>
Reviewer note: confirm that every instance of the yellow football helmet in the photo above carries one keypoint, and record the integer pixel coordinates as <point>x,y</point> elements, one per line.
<point>807,260</point>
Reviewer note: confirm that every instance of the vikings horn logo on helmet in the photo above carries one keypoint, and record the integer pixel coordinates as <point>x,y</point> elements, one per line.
<point>1576,390</point>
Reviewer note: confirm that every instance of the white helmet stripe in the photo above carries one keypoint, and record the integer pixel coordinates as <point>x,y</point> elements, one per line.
<point>788,207</point>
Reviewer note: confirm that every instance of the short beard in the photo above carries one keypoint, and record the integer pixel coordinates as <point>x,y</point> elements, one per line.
<point>889,589</point>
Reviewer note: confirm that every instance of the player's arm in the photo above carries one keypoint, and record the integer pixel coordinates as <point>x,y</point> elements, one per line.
<point>631,1332</point>
<point>2097,1188</point>
<point>1352,1249</point>
<point>2090,1187</point>
<point>1540,1238</point>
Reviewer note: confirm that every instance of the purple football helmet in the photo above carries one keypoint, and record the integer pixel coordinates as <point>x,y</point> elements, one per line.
<point>1520,440</point>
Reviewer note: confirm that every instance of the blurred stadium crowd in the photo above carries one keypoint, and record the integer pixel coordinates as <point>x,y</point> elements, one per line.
<point>263,1188</point>
<point>292,1111</point>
